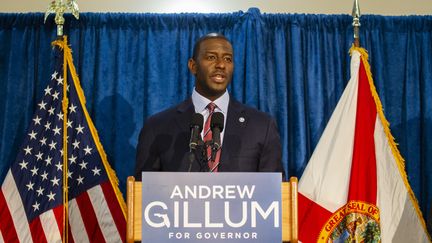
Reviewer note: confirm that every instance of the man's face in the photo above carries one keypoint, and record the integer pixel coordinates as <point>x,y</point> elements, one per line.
<point>213,67</point>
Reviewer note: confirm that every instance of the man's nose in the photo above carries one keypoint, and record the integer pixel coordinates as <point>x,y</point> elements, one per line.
<point>220,63</point>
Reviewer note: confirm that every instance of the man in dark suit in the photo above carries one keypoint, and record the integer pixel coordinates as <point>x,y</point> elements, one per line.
<point>250,139</point>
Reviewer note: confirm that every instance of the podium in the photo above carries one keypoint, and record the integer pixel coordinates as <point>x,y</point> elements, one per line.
<point>289,210</point>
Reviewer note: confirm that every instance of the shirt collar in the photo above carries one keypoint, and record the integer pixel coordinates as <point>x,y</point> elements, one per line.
<point>200,102</point>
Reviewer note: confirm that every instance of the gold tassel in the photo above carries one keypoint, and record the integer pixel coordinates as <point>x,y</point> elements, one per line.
<point>400,162</point>
<point>110,172</point>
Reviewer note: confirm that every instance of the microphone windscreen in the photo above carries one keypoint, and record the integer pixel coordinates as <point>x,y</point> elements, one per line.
<point>197,120</point>
<point>217,120</point>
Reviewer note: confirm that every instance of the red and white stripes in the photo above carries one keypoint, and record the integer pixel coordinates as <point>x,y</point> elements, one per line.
<point>90,217</point>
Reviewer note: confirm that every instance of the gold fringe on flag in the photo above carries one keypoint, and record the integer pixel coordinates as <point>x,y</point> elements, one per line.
<point>110,172</point>
<point>386,125</point>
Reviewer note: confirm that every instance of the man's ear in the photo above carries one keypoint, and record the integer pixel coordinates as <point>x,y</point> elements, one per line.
<point>192,66</point>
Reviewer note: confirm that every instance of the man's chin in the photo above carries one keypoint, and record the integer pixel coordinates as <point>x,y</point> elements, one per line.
<point>219,89</point>
<point>217,92</point>
<point>212,89</point>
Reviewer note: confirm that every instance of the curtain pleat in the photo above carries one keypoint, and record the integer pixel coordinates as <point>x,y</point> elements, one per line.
<point>293,66</point>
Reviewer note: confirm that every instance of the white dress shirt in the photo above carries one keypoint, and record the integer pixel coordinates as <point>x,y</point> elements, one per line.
<point>200,103</point>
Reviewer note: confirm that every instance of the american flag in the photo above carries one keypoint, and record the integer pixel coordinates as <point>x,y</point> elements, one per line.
<point>31,196</point>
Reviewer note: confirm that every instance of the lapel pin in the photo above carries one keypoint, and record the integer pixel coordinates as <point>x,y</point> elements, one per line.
<point>242,119</point>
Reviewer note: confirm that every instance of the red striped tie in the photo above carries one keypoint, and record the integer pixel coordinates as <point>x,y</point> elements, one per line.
<point>213,165</point>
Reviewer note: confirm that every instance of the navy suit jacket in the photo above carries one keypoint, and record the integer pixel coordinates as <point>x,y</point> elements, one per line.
<point>251,141</point>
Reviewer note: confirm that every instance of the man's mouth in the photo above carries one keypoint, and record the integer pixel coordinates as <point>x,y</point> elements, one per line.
<point>218,78</point>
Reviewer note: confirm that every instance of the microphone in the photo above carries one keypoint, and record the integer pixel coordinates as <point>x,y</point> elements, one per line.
<point>217,126</point>
<point>196,126</point>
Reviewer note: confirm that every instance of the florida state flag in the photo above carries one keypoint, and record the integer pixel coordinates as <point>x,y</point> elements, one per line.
<point>354,188</point>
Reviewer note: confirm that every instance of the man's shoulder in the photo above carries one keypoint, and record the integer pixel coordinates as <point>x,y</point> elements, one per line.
<point>163,114</point>
<point>250,111</point>
<point>169,113</point>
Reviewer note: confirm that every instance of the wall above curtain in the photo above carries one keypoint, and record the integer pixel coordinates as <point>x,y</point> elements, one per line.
<point>383,7</point>
<point>293,66</point>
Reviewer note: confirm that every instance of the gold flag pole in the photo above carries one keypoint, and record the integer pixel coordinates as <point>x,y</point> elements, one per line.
<point>356,23</point>
<point>59,7</point>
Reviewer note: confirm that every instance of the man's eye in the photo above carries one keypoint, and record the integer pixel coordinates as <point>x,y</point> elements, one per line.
<point>211,58</point>
<point>228,59</point>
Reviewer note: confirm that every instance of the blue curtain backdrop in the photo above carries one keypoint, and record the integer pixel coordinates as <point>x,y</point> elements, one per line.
<point>293,66</point>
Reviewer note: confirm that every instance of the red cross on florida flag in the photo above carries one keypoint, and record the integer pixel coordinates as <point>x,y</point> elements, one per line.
<point>354,188</point>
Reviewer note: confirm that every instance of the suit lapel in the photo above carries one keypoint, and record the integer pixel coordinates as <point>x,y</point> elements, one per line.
<point>235,127</point>
<point>182,119</point>
<point>236,123</point>
<point>185,111</point>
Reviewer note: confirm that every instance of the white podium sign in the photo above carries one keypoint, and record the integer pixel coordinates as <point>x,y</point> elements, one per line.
<point>211,207</point>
